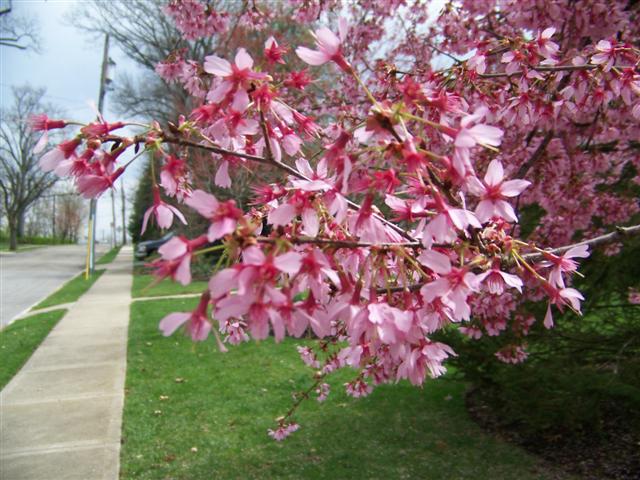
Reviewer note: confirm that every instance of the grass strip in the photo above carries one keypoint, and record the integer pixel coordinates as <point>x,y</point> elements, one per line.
<point>20,339</point>
<point>166,287</point>
<point>192,412</point>
<point>109,256</point>
<point>70,291</point>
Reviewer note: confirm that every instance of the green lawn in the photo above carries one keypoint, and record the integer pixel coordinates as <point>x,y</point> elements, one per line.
<point>70,291</point>
<point>141,287</point>
<point>109,256</point>
<point>20,339</point>
<point>194,413</point>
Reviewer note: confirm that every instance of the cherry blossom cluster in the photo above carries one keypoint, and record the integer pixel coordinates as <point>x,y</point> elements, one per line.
<point>391,209</point>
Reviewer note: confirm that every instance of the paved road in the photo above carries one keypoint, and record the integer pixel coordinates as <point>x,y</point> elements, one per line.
<point>30,276</point>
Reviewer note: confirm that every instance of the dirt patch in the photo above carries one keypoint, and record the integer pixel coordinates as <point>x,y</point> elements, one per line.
<point>612,453</point>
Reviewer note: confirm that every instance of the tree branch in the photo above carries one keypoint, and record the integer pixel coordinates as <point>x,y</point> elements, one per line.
<point>524,169</point>
<point>618,234</point>
<point>547,68</point>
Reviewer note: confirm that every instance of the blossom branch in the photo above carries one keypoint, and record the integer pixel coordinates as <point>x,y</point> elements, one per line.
<point>343,243</point>
<point>283,166</point>
<point>547,68</point>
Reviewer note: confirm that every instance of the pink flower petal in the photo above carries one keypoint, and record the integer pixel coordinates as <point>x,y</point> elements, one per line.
<point>512,280</point>
<point>240,101</point>
<point>485,210</point>
<point>248,127</point>
<point>51,159</point>
<point>217,94</point>
<point>145,219</point>
<point>282,215</point>
<point>243,60</point>
<point>221,228</point>
<point>310,222</point>
<point>199,329</point>
<point>506,211</point>
<point>581,251</point>
<point>217,66</point>
<point>487,134</point>
<point>253,256</point>
<point>42,143</point>
<point>183,272</point>
<point>204,203</point>
<point>173,249</point>
<point>548,318</point>
<point>327,41</point>
<point>512,188</point>
<point>172,322</point>
<point>288,262</point>
<point>291,144</point>
<point>223,282</point>
<point>436,261</point>
<point>434,289</point>
<point>464,139</point>
<point>278,325</point>
<point>222,178</point>
<point>178,214</point>
<point>312,57</point>
<point>495,173</point>
<point>343,29</point>
<point>164,216</point>
<point>547,33</point>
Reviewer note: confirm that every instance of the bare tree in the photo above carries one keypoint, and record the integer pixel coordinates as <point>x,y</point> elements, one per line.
<point>70,213</point>
<point>145,34</point>
<point>22,181</point>
<point>18,31</point>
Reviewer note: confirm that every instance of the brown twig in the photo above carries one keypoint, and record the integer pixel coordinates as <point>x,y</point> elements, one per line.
<point>522,171</point>
<point>343,243</point>
<point>548,68</point>
<point>619,233</point>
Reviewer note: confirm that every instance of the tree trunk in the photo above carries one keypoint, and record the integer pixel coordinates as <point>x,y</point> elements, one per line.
<point>13,233</point>
<point>20,225</point>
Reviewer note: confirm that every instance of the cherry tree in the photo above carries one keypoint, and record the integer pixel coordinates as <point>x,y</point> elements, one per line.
<point>400,151</point>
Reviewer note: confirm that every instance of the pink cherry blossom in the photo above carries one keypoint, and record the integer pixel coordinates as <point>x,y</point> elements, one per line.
<point>198,326</point>
<point>234,75</point>
<point>494,192</point>
<point>329,47</point>
<point>163,212</point>
<point>273,52</point>
<point>546,47</point>
<point>175,261</point>
<point>54,157</point>
<point>92,186</point>
<point>479,134</point>
<point>563,263</point>
<point>605,56</point>
<point>496,280</point>
<point>223,215</point>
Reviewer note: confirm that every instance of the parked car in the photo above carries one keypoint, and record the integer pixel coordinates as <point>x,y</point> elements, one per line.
<point>146,248</point>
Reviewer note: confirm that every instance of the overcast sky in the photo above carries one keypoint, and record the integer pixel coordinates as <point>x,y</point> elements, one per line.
<point>69,68</point>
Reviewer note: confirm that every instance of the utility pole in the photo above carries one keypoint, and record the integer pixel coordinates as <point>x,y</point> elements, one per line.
<point>113,219</point>
<point>124,216</point>
<point>53,223</point>
<point>91,257</point>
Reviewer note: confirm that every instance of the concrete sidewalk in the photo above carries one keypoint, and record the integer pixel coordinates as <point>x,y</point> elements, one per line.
<point>61,415</point>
